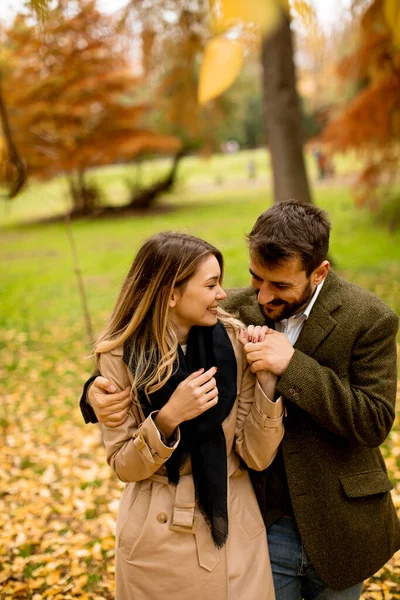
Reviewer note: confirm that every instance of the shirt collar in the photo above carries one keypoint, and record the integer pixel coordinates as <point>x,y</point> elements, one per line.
<point>306,312</point>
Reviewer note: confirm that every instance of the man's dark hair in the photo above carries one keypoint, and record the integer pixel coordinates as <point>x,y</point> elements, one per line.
<point>289,229</point>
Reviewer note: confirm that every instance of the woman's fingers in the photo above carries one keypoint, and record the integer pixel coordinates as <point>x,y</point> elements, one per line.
<point>205,377</point>
<point>194,375</point>
<point>242,337</point>
<point>210,403</point>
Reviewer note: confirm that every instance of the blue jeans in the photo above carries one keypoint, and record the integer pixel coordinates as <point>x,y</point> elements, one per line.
<point>293,573</point>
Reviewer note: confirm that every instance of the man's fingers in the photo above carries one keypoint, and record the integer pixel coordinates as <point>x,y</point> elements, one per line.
<point>115,409</point>
<point>116,418</point>
<point>256,366</point>
<point>250,347</point>
<point>123,397</point>
<point>110,423</point>
<point>104,384</point>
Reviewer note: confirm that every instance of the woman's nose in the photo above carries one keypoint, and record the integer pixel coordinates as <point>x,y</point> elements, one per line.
<point>221,294</point>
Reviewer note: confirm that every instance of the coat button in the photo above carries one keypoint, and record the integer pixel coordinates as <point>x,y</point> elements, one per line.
<point>291,392</point>
<point>296,396</point>
<point>162,517</point>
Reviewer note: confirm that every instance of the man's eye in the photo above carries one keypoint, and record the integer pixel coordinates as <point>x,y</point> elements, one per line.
<point>281,287</point>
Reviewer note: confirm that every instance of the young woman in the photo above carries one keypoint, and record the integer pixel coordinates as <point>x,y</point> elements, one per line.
<point>188,525</point>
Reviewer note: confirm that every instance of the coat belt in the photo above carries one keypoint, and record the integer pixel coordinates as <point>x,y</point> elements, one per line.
<point>183,517</point>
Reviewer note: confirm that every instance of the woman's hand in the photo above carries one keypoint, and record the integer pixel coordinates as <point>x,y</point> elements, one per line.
<point>254,334</point>
<point>193,396</point>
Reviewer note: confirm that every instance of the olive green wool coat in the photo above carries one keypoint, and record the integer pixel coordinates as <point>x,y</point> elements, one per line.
<point>339,390</point>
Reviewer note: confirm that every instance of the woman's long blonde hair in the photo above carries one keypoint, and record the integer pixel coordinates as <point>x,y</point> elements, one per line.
<point>165,261</point>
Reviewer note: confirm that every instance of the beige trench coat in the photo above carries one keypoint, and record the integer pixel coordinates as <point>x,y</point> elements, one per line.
<point>164,547</point>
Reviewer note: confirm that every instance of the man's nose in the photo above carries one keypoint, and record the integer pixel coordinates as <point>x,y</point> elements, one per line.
<point>265,295</point>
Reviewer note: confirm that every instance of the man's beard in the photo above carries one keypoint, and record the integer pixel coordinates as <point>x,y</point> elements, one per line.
<point>288,309</point>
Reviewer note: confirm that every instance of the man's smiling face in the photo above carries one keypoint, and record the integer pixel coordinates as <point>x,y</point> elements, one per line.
<point>285,289</point>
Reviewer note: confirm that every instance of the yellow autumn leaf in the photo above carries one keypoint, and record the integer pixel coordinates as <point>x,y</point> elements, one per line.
<point>221,65</point>
<point>264,13</point>
<point>53,578</point>
<point>108,543</point>
<point>82,580</point>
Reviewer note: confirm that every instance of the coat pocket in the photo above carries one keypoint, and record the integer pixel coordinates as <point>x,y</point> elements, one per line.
<point>243,515</point>
<point>129,531</point>
<point>367,483</point>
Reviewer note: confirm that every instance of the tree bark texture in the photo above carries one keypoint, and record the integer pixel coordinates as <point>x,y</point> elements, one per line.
<point>17,169</point>
<point>282,117</point>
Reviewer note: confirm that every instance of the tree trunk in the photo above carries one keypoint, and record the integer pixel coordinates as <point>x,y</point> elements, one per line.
<point>282,117</point>
<point>17,172</point>
<point>145,199</point>
<point>84,195</point>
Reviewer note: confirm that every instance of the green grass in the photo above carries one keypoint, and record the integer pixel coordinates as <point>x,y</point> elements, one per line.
<point>194,175</point>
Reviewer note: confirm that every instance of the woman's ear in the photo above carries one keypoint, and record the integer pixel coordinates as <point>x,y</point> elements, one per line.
<point>174,298</point>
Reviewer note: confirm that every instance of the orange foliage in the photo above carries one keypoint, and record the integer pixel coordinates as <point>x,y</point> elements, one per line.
<point>69,89</point>
<point>370,122</point>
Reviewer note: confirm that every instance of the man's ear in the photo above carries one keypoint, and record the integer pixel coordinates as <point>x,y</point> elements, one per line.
<point>321,272</point>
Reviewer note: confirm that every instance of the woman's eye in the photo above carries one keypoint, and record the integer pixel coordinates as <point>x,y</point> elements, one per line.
<point>213,285</point>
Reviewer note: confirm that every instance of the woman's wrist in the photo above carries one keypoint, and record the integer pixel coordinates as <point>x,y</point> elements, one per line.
<point>166,422</point>
<point>267,381</point>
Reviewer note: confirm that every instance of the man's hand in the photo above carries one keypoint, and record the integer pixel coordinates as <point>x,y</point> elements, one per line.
<point>273,354</point>
<point>111,408</point>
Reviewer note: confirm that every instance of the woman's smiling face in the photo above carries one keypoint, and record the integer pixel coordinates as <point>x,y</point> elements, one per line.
<point>198,303</point>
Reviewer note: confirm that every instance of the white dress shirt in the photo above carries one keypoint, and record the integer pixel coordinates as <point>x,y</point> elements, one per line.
<point>291,327</point>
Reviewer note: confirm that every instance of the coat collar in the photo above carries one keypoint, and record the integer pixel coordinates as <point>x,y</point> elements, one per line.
<point>321,322</point>
<point>252,313</point>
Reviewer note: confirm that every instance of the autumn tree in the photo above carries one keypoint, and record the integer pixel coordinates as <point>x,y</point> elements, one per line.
<point>369,122</point>
<point>75,108</point>
<point>177,31</point>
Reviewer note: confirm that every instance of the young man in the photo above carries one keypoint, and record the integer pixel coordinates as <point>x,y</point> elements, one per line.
<point>326,497</point>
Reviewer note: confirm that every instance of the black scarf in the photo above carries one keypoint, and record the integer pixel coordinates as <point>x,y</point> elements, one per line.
<point>202,438</point>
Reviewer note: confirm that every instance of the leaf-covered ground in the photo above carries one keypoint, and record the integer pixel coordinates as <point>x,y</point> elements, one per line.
<point>58,497</point>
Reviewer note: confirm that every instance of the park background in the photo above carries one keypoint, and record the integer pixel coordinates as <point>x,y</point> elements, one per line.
<point>94,162</point>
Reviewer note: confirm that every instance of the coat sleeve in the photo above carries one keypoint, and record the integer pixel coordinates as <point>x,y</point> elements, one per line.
<point>259,427</point>
<point>359,405</point>
<point>135,451</point>
<point>87,411</point>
